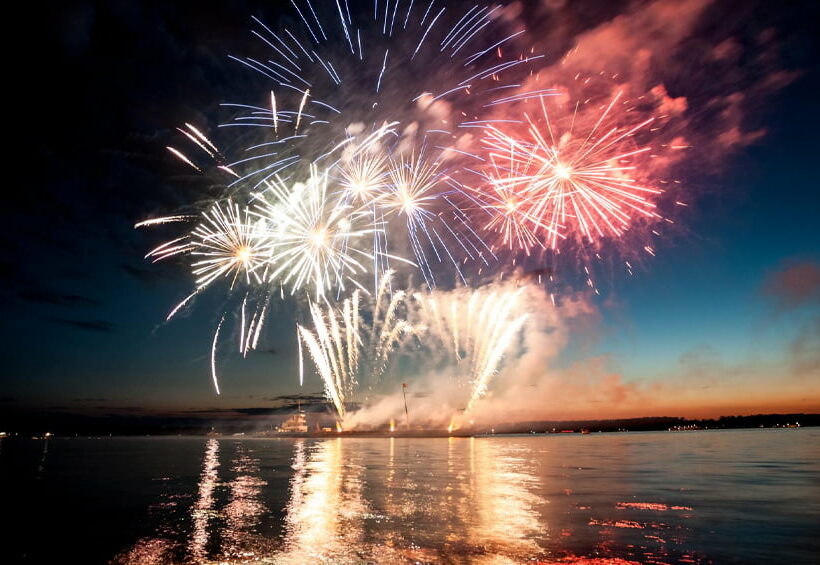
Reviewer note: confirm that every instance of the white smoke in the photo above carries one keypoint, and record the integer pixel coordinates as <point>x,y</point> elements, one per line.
<point>438,373</point>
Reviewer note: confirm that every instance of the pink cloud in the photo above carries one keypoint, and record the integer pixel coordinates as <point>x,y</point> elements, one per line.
<point>795,285</point>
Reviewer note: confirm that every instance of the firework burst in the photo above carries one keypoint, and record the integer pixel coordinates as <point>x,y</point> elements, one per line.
<point>313,236</point>
<point>229,243</point>
<point>575,177</point>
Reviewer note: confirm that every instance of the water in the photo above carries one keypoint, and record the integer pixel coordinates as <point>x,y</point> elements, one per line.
<point>750,496</point>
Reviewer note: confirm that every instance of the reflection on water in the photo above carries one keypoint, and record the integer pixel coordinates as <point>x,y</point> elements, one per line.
<point>326,505</point>
<point>475,499</point>
<point>741,497</point>
<point>223,516</point>
<point>243,512</point>
<point>503,489</point>
<point>202,510</point>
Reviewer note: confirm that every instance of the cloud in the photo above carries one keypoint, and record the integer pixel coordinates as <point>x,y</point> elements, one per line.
<point>117,410</point>
<point>293,398</point>
<point>42,295</point>
<point>804,350</point>
<point>316,406</point>
<point>89,325</point>
<point>696,66</point>
<point>141,274</point>
<point>794,285</point>
<point>794,290</point>
<point>547,374</point>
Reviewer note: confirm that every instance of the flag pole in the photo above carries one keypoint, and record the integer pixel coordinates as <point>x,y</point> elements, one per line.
<point>406,414</point>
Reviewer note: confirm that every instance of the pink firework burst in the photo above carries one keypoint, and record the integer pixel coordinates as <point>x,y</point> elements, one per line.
<point>576,175</point>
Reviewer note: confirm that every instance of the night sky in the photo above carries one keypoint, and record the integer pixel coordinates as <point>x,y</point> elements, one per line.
<point>724,320</point>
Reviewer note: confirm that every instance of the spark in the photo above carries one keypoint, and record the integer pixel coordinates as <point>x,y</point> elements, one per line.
<point>184,159</point>
<point>201,136</point>
<point>339,166</point>
<point>164,220</point>
<point>274,113</point>
<point>213,354</point>
<point>301,108</point>
<point>228,242</point>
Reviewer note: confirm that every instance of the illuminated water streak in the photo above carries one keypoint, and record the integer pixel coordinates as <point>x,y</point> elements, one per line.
<point>323,514</point>
<point>202,512</point>
<point>245,507</point>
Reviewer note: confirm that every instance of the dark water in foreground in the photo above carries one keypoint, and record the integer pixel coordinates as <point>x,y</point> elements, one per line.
<point>749,496</point>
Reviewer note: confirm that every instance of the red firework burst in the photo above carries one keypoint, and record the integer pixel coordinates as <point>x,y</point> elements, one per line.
<point>575,175</point>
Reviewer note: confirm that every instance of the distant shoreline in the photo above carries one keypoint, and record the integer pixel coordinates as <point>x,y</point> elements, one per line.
<point>381,435</point>
<point>256,429</point>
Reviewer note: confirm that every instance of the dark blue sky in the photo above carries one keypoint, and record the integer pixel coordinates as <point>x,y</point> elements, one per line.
<point>82,326</point>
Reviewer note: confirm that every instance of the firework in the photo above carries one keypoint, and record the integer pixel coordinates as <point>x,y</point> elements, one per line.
<point>478,326</point>
<point>575,177</point>
<point>228,243</point>
<point>346,350</point>
<point>312,235</point>
<point>377,132</point>
<point>412,194</point>
<point>411,66</point>
<point>508,209</point>
<point>355,157</point>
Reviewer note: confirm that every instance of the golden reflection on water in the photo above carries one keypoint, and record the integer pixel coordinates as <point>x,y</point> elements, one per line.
<point>351,501</point>
<point>405,500</point>
<point>244,509</point>
<point>202,511</point>
<point>326,505</point>
<point>504,520</point>
<point>476,499</point>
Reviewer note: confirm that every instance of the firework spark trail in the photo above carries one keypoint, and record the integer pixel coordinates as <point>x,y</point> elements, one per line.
<point>183,157</point>
<point>340,337</point>
<point>249,339</point>
<point>412,194</point>
<point>165,220</point>
<point>182,303</point>
<point>227,241</point>
<point>506,209</point>
<point>381,176</point>
<point>479,337</point>
<point>213,354</point>
<point>495,343</point>
<point>319,356</point>
<point>409,187</point>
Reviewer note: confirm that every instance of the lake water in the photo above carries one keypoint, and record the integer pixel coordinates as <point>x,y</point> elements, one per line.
<point>746,496</point>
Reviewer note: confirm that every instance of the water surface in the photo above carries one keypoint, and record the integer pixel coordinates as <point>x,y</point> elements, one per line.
<point>747,496</point>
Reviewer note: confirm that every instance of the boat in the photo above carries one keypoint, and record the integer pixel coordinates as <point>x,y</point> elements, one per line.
<point>297,423</point>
